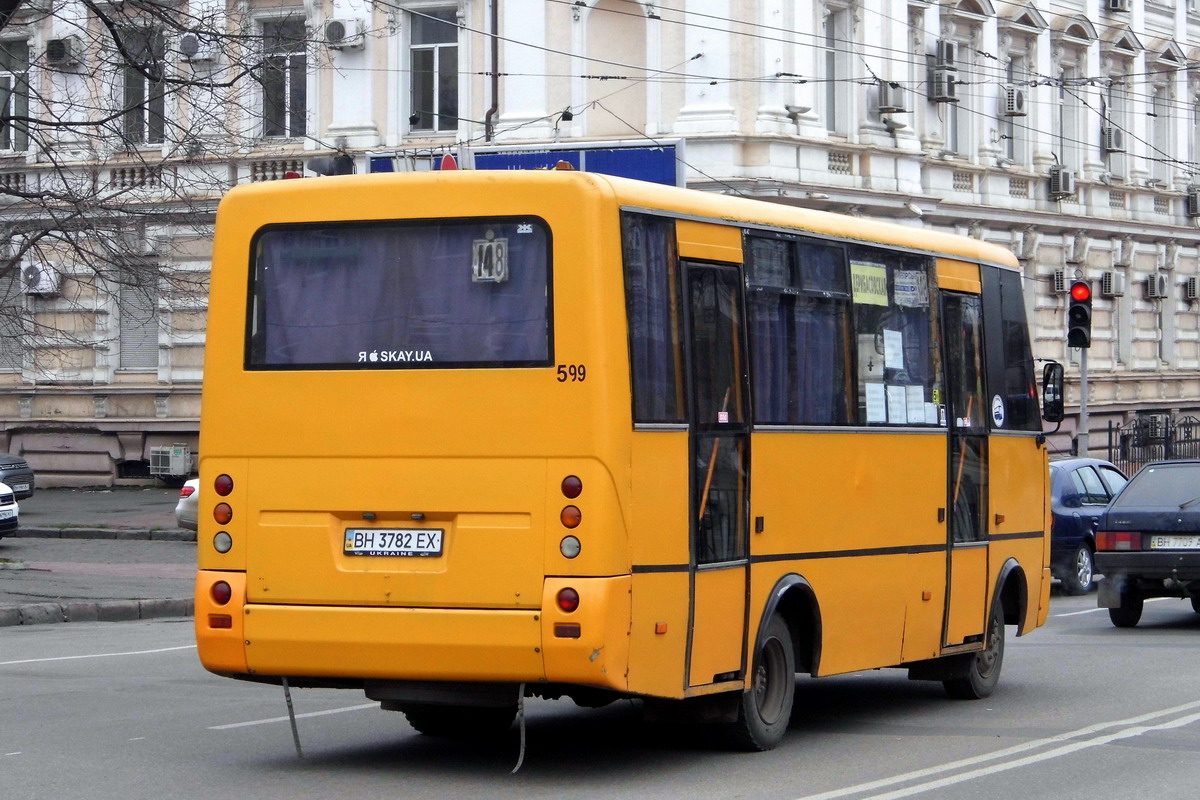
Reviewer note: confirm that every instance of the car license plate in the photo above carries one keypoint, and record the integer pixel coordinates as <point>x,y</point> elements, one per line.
<point>7,513</point>
<point>20,487</point>
<point>1175,542</point>
<point>393,542</point>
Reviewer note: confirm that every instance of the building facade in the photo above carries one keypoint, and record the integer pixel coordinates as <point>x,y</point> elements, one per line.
<point>1072,139</point>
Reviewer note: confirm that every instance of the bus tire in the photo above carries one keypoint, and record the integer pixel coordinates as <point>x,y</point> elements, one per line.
<point>983,672</point>
<point>766,709</point>
<point>460,722</point>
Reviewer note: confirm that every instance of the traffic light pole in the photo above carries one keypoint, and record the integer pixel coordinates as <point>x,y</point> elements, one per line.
<point>1081,436</point>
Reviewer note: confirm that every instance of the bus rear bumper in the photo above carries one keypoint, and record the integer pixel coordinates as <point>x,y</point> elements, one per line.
<point>393,643</point>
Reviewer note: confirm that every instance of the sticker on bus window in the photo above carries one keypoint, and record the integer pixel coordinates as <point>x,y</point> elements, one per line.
<point>489,259</point>
<point>998,411</point>
<point>911,289</point>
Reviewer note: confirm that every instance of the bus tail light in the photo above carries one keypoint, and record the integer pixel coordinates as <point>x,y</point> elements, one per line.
<point>223,485</point>
<point>221,593</point>
<point>572,487</point>
<point>220,621</point>
<point>568,599</point>
<point>223,513</point>
<point>570,517</point>
<point>1118,540</point>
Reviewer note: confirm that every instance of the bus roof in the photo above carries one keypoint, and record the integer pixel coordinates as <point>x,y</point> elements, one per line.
<point>629,193</point>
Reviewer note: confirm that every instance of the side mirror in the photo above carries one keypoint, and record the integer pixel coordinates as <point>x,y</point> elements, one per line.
<point>1052,392</point>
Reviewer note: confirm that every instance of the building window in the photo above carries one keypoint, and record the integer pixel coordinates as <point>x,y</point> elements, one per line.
<point>138,301</point>
<point>14,95</point>
<point>434,70</point>
<point>142,85</point>
<point>284,78</point>
<point>835,70</point>
<point>1161,121</point>
<point>1016,76</point>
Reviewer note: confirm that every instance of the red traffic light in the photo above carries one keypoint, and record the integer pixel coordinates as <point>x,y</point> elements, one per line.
<point>1081,291</point>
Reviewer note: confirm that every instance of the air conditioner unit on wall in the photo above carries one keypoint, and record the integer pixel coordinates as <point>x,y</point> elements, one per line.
<point>1156,286</point>
<point>1120,5</point>
<point>344,34</point>
<point>1112,284</point>
<point>1191,289</point>
<point>1062,182</point>
<point>945,54</point>
<point>1015,104</point>
<point>1112,139</point>
<point>1192,203</point>
<point>65,52</point>
<point>39,278</point>
<point>1060,281</point>
<point>942,88</point>
<point>891,99</point>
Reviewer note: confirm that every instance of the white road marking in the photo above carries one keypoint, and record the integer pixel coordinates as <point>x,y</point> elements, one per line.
<point>1127,728</point>
<point>1094,610</point>
<point>98,655</point>
<point>298,716</point>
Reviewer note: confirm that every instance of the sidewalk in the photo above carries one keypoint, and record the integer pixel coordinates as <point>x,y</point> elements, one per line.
<point>97,554</point>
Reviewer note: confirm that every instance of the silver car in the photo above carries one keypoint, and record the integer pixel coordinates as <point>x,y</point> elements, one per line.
<point>189,500</point>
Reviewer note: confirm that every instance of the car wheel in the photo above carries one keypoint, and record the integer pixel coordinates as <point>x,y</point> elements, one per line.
<point>1129,612</point>
<point>460,722</point>
<point>984,671</point>
<point>1081,577</point>
<point>765,710</point>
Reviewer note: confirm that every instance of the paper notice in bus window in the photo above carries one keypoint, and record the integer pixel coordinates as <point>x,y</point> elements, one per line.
<point>893,349</point>
<point>911,289</point>
<point>897,405</point>
<point>869,284</point>
<point>931,414</point>
<point>876,403</point>
<point>915,401</point>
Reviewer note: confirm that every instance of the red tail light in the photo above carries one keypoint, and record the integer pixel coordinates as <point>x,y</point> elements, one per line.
<point>222,593</point>
<point>568,599</point>
<point>187,491</point>
<point>1118,540</point>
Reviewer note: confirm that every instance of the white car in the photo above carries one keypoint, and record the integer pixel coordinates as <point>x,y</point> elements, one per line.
<point>9,511</point>
<point>189,500</point>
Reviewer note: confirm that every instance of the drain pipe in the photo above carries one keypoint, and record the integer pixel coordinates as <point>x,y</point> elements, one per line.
<point>489,126</point>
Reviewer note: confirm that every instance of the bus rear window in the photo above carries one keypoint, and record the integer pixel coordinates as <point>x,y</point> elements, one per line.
<point>401,295</point>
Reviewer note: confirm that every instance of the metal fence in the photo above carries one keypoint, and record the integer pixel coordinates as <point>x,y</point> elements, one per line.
<point>1155,437</point>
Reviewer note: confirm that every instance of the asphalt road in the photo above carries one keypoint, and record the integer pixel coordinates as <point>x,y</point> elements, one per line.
<point>1083,711</point>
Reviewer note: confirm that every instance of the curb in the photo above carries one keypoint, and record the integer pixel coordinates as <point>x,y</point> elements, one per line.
<point>101,611</point>
<point>130,534</point>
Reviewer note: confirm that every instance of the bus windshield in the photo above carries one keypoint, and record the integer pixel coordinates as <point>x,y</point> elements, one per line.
<point>401,295</point>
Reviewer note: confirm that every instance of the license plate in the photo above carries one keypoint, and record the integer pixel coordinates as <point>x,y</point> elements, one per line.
<point>7,513</point>
<point>393,542</point>
<point>19,487</point>
<point>1175,542</point>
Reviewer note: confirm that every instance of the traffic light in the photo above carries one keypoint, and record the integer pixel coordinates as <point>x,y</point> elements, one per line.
<point>1079,315</point>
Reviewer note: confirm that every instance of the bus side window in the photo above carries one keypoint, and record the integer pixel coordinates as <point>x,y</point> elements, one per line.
<point>895,327</point>
<point>799,331</point>
<point>652,308</point>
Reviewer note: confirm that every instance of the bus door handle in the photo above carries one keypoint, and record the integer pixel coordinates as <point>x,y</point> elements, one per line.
<point>941,515</point>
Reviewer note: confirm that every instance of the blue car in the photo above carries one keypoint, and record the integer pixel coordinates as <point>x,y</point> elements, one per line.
<point>1080,490</point>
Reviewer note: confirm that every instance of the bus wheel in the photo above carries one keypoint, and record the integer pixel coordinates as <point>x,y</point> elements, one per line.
<point>765,710</point>
<point>460,722</point>
<point>1129,612</point>
<point>984,671</point>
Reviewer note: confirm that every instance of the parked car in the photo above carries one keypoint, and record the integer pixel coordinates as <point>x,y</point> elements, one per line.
<point>1148,541</point>
<point>1080,490</point>
<point>15,471</point>
<point>9,511</point>
<point>189,500</point>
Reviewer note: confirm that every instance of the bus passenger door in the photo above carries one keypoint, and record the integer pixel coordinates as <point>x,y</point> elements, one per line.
<point>967,562</point>
<point>719,444</point>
